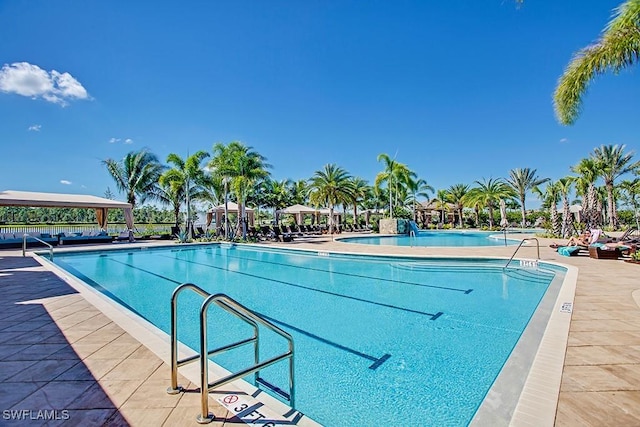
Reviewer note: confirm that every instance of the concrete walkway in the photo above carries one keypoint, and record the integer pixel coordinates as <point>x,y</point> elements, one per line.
<point>59,352</point>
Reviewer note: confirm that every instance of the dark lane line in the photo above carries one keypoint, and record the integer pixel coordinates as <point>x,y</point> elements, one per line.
<point>377,361</point>
<point>465,291</point>
<point>433,316</point>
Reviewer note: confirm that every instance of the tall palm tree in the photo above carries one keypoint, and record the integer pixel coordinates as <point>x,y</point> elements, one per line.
<point>330,187</point>
<point>631,195</point>
<point>184,173</point>
<point>136,175</point>
<point>457,194</point>
<point>172,195</point>
<point>564,187</point>
<point>488,194</point>
<point>238,166</point>
<point>588,174</point>
<point>611,162</point>
<point>393,175</point>
<point>418,188</point>
<point>441,201</point>
<point>359,189</point>
<point>247,166</point>
<point>522,181</point>
<point>617,48</point>
<point>550,197</point>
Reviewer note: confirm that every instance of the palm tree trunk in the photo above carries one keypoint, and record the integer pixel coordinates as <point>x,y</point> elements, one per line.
<point>490,216</point>
<point>566,218</point>
<point>523,211</point>
<point>611,208</point>
<point>556,227</point>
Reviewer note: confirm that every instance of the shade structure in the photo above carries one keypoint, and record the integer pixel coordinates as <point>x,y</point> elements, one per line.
<point>503,214</point>
<point>217,212</point>
<point>58,200</point>
<point>299,211</point>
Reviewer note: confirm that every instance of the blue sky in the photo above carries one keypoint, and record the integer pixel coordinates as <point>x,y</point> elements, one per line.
<point>458,90</point>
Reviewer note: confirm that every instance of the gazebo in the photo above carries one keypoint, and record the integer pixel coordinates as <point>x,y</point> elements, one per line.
<point>218,212</point>
<point>56,200</point>
<point>299,211</point>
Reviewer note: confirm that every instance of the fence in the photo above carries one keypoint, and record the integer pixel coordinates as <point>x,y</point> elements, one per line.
<point>53,229</point>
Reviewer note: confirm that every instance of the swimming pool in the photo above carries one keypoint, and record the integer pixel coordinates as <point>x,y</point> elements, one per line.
<point>379,340</point>
<point>436,238</point>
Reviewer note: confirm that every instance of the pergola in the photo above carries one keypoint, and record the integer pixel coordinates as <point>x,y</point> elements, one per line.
<point>218,213</point>
<point>57,200</point>
<point>299,211</point>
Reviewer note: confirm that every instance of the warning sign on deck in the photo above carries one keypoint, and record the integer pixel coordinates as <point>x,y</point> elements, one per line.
<point>251,411</point>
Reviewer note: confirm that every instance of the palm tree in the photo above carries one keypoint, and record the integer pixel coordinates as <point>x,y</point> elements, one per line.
<point>183,174</point>
<point>136,175</point>
<point>441,201</point>
<point>564,187</point>
<point>631,195</point>
<point>359,189</point>
<point>523,180</point>
<point>617,48</point>
<point>277,195</point>
<point>330,187</point>
<point>246,167</point>
<point>611,162</point>
<point>172,195</point>
<point>393,175</point>
<point>457,194</point>
<point>550,197</point>
<point>418,188</point>
<point>585,185</point>
<point>237,166</point>
<point>488,194</point>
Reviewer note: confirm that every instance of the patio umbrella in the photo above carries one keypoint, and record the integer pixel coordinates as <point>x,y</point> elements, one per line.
<point>503,214</point>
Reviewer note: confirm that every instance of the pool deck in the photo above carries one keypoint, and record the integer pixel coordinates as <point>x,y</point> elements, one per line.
<point>60,350</point>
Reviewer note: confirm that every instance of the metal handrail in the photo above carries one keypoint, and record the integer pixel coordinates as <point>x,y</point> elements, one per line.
<point>519,246</point>
<point>24,245</point>
<point>243,313</point>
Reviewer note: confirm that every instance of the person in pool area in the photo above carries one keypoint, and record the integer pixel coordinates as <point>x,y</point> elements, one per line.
<point>583,239</point>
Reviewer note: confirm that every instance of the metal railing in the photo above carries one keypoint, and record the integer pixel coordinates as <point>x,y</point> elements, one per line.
<point>230,305</point>
<point>24,245</point>
<point>520,245</point>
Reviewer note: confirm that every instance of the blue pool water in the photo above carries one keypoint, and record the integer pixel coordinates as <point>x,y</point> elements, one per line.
<point>379,340</point>
<point>437,238</point>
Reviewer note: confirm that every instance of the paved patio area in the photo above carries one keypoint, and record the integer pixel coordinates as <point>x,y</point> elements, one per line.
<point>59,352</point>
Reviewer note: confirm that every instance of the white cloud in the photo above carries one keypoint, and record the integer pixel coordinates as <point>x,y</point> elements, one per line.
<point>563,140</point>
<point>128,141</point>
<point>34,128</point>
<point>30,80</point>
<point>114,140</point>
<point>65,182</point>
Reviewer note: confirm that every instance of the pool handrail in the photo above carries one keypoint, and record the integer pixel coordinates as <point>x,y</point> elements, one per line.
<point>519,246</point>
<point>243,313</point>
<point>24,245</point>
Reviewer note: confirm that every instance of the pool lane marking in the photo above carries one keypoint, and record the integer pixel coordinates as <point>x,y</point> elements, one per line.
<point>377,361</point>
<point>433,316</point>
<point>362,276</point>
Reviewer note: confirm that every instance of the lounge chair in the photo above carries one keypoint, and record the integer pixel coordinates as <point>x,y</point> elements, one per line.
<point>604,252</point>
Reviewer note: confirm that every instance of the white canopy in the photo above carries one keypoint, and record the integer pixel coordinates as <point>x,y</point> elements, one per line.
<point>57,200</point>
<point>296,209</point>
<point>218,213</point>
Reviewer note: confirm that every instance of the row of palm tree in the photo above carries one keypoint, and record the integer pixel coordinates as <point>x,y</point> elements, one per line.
<point>237,172</point>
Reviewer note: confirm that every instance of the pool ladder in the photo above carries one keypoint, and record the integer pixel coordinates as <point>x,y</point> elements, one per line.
<point>243,313</point>
<point>518,248</point>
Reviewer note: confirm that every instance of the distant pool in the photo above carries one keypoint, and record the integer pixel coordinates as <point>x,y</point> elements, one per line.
<point>437,238</point>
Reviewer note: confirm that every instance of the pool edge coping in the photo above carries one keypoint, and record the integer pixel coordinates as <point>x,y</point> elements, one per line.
<point>536,404</point>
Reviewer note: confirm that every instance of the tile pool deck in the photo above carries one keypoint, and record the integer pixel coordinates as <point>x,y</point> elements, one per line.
<point>59,351</point>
